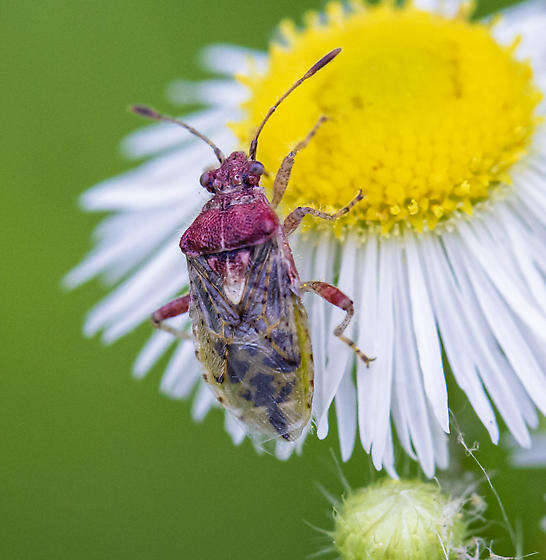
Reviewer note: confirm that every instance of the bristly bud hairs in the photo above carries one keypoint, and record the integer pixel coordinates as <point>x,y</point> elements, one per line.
<point>399,520</point>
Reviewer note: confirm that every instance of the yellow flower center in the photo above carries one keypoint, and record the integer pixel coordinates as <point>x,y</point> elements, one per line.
<point>426,114</point>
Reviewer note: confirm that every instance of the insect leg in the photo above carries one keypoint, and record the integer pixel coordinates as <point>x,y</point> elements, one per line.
<point>283,174</point>
<point>174,308</point>
<point>293,220</point>
<point>336,297</point>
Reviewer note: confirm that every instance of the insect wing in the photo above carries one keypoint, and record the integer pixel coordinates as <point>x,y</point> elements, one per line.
<point>251,335</point>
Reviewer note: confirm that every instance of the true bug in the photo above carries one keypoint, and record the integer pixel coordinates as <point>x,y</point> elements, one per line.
<point>249,325</point>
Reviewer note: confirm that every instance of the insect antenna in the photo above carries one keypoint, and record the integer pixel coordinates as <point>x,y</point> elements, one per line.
<point>151,114</point>
<point>315,68</point>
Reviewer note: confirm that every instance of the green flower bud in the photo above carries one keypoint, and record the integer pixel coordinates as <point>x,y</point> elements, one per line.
<point>398,520</point>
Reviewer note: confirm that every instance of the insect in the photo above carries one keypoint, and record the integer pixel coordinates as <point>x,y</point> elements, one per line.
<point>249,326</point>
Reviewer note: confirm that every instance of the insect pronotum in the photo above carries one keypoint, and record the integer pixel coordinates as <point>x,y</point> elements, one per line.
<point>250,328</point>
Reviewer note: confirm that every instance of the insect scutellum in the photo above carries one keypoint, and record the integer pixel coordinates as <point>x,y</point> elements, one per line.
<point>238,170</point>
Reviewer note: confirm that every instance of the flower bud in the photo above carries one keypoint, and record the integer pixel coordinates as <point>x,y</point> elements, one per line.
<point>402,520</point>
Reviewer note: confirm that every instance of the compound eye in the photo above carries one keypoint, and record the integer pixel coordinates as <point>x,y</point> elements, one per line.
<point>205,179</point>
<point>256,168</point>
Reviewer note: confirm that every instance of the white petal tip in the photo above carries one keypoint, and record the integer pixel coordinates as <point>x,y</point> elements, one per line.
<point>322,427</point>
<point>89,330</point>
<point>377,463</point>
<point>391,472</point>
<point>109,337</point>
<point>428,470</point>
<point>68,282</point>
<point>523,440</point>
<point>345,455</point>
<point>443,420</point>
<point>140,371</point>
<point>76,277</point>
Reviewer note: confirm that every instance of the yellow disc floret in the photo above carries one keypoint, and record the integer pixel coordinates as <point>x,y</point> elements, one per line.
<point>426,114</point>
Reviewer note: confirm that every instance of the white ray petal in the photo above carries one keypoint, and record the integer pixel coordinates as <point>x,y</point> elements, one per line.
<point>484,252</point>
<point>536,346</point>
<point>156,346</point>
<point>512,402</point>
<point>458,343</point>
<point>518,248</point>
<point>303,249</point>
<point>346,395</point>
<point>524,403</point>
<point>428,344</point>
<point>495,371</point>
<point>204,400</point>
<point>160,137</point>
<point>132,318</point>
<point>234,428</point>
<point>132,293</point>
<point>160,170</point>
<point>339,358</point>
<point>440,442</point>
<point>301,441</point>
<point>120,270</point>
<point>399,416</point>
<point>148,231</point>
<point>499,318</point>
<point>492,231</point>
<point>171,177</point>
<point>528,20</point>
<point>179,192</point>
<point>182,372</point>
<point>531,232</point>
<point>346,414</point>
<point>533,457</point>
<point>190,375</point>
<point>116,225</point>
<point>536,164</point>
<point>408,377</point>
<point>493,367</point>
<point>517,389</point>
<point>231,59</point>
<point>284,449</point>
<point>530,188</point>
<point>388,457</point>
<point>529,213</point>
<point>444,7</point>
<point>323,266</point>
<point>526,406</point>
<point>222,93</point>
<point>367,338</point>
<point>390,253</point>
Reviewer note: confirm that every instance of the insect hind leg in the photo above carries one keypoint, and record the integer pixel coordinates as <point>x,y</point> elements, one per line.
<point>174,308</point>
<point>336,297</point>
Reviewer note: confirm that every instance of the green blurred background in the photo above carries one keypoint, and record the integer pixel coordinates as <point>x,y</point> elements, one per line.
<point>95,464</point>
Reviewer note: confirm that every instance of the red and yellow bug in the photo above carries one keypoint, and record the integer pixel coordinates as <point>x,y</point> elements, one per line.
<point>250,328</point>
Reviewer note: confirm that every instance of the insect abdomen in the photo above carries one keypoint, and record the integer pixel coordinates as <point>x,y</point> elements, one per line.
<point>267,393</point>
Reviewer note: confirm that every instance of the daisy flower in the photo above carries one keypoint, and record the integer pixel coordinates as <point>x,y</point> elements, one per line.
<point>438,118</point>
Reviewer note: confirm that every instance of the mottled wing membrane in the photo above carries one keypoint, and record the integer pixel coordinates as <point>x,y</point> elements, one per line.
<point>254,346</point>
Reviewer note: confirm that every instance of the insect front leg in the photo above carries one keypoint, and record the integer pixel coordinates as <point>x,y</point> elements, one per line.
<point>174,308</point>
<point>283,174</point>
<point>336,297</point>
<point>293,220</point>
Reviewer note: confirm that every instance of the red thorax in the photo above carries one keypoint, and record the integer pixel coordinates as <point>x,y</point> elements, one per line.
<point>238,215</point>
